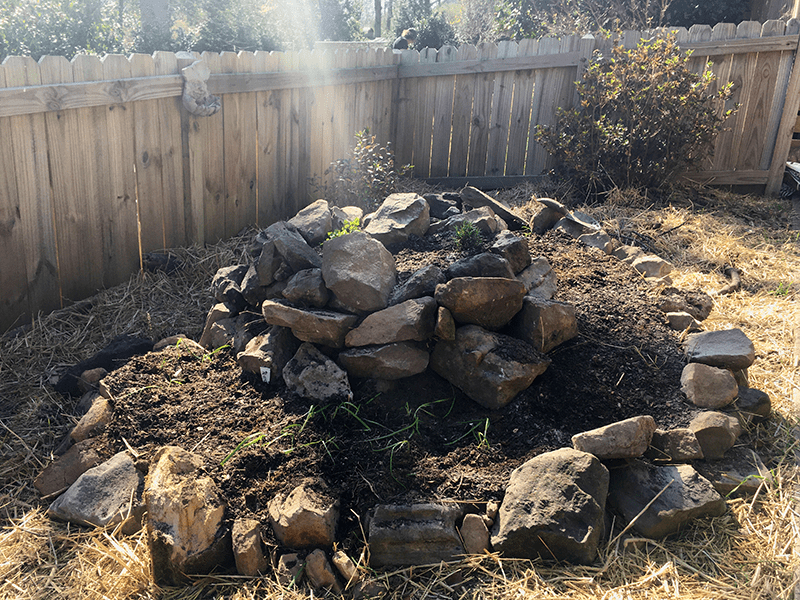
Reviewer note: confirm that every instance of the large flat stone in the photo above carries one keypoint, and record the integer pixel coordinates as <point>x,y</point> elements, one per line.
<point>490,302</point>
<point>726,349</point>
<point>410,320</point>
<point>316,326</point>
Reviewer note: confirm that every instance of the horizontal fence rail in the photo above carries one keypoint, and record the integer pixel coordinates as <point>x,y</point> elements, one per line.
<point>101,163</point>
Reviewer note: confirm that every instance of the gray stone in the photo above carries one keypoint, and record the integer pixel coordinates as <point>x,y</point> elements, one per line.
<point>422,282</point>
<point>307,287</point>
<point>697,304</point>
<point>347,568</point>
<point>599,239</point>
<point>440,204</point>
<point>94,421</point>
<point>740,471</point>
<point>411,320</point>
<point>103,495</point>
<point>270,350</point>
<point>708,387</point>
<point>754,406</point>
<point>313,375</point>
<point>513,248</point>
<point>623,439</point>
<point>553,508</point>
<point>716,432</point>
<point>545,324</point>
<point>681,321</point>
<point>269,263</point>
<point>539,279</point>
<point>398,217</point>
<point>343,214</point>
<point>289,570</point>
<point>252,291</point>
<point>313,222</point>
<point>483,218</point>
<point>222,333</point>
<point>726,349</point>
<point>686,496</point>
<point>65,470</point>
<point>316,326</point>
<point>185,518</point>
<point>320,573</point>
<point>627,254</point>
<point>390,361</point>
<point>471,196</point>
<point>474,534</point>
<point>225,285</point>
<point>674,445</point>
<point>571,227</point>
<point>490,302</point>
<point>488,367</point>
<point>305,518</point>
<point>248,552</point>
<point>359,270</point>
<point>218,312</point>
<point>418,534</point>
<point>292,247</point>
<point>485,264</point>
<point>544,219</point>
<point>650,265</point>
<point>445,325</point>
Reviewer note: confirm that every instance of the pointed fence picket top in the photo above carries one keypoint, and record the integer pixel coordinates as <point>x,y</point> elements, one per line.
<point>103,162</point>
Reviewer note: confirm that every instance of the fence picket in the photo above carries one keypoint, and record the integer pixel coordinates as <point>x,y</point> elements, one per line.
<point>462,113</point>
<point>543,111</point>
<point>500,114</point>
<point>778,98</point>
<point>268,125</point>
<point>742,74</point>
<point>406,107</point>
<point>423,123</point>
<point>519,129</point>
<point>214,164</point>
<point>442,116</point>
<point>481,114</point>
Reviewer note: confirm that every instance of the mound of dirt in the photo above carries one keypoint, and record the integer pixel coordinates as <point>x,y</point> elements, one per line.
<point>418,439</point>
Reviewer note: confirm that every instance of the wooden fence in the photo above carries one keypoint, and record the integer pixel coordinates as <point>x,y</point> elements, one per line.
<point>100,163</point>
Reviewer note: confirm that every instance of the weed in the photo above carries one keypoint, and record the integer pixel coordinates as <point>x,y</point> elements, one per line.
<point>209,355</point>
<point>347,227</point>
<point>782,290</point>
<point>468,237</point>
<point>478,429</point>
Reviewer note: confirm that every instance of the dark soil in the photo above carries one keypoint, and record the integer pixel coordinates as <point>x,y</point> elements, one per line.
<point>417,439</point>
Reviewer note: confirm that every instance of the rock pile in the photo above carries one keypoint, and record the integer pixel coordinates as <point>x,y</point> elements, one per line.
<point>317,309</point>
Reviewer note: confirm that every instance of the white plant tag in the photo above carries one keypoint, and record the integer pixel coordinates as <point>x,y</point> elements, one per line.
<point>265,374</point>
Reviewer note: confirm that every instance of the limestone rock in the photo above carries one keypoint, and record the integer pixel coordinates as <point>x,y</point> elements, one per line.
<point>90,378</point>
<point>545,324</point>
<point>65,470</point>
<point>708,387</point>
<point>320,573</point>
<point>482,218</point>
<point>422,282</point>
<point>182,342</point>
<point>307,287</point>
<point>716,432</point>
<point>490,302</point>
<point>316,326</point>
<point>218,312</point>
<point>313,222</point>
<point>623,439</point>
<point>359,270</point>
<point>475,534</point>
<point>485,264</point>
<point>674,445</point>
<point>488,367</point>
<point>415,534</point>
<point>650,265</point>
<point>389,361</point>
<point>411,320</point>
<point>304,518</point>
<point>222,333</point>
<point>347,568</point>
<point>185,518</point>
<point>247,550</point>
<point>94,421</point>
<point>445,325</point>
<point>687,496</point>
<point>539,279</point>
<point>103,495</point>
<point>553,508</point>
<point>513,248</point>
<point>313,375</point>
<point>270,350</point>
<point>726,349</point>
<point>398,217</point>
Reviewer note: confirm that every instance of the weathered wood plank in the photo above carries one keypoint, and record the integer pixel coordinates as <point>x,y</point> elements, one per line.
<point>405,108</point>
<point>783,137</point>
<point>192,164</point>
<point>754,177</point>
<point>481,114</point>
<point>302,166</point>
<point>122,224</point>
<point>501,113</point>
<point>778,98</point>
<point>423,124</point>
<point>442,116</point>
<point>545,93</point>
<point>462,113</point>
<point>268,123</point>
<point>519,122</point>
<point>213,165</point>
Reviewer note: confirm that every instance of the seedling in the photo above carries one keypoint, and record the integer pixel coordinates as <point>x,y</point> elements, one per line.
<point>347,228</point>
<point>468,236</point>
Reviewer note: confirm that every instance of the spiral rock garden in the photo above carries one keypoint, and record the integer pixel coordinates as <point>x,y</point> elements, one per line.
<point>442,381</point>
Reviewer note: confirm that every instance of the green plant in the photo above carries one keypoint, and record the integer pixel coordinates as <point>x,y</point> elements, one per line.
<point>782,290</point>
<point>366,177</point>
<point>468,237</point>
<point>643,117</point>
<point>347,227</point>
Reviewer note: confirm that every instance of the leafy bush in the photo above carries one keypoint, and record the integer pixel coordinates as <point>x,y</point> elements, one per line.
<point>468,237</point>
<point>366,177</point>
<point>643,117</point>
<point>433,28</point>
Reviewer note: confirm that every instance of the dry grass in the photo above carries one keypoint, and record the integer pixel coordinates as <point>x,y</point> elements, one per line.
<point>748,553</point>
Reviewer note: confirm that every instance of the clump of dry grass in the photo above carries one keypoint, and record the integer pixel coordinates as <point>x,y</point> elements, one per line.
<point>747,553</point>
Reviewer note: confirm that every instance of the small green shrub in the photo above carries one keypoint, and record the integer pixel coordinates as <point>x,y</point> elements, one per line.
<point>643,117</point>
<point>467,236</point>
<point>347,227</point>
<point>365,178</point>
